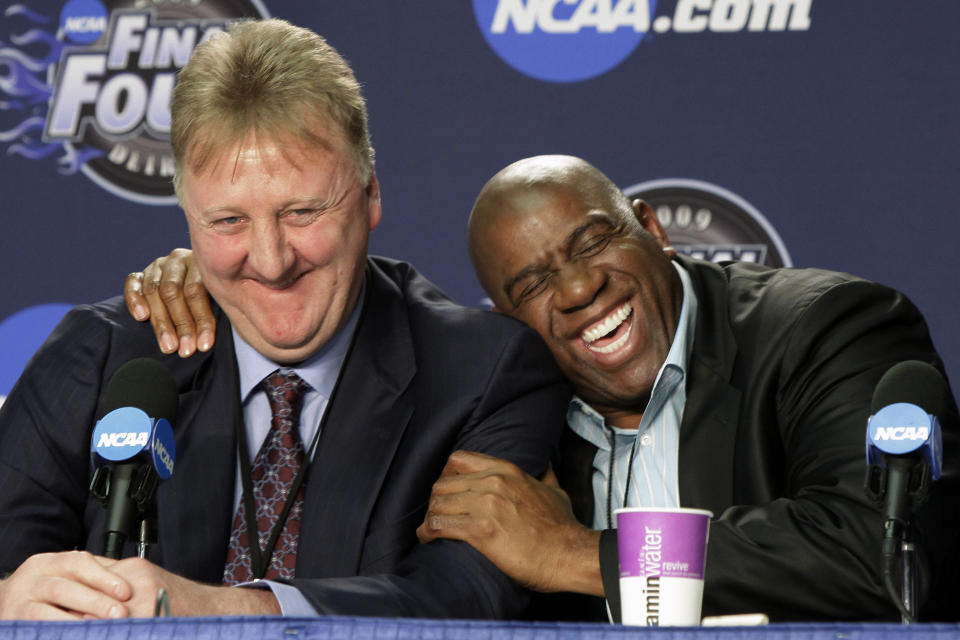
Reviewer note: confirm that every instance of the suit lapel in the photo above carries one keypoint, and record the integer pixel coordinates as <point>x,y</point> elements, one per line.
<point>192,542</point>
<point>709,427</point>
<point>365,421</point>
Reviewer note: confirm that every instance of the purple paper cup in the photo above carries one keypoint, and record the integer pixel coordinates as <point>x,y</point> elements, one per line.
<point>662,557</point>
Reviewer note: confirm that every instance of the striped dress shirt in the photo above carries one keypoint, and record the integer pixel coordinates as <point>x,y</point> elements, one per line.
<point>644,459</point>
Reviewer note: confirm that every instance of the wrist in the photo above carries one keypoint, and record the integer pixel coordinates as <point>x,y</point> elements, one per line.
<point>251,601</point>
<point>579,563</point>
<point>217,600</point>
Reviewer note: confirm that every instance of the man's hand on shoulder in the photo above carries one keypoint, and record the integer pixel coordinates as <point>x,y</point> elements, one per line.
<point>68,585</point>
<point>523,525</point>
<point>170,294</point>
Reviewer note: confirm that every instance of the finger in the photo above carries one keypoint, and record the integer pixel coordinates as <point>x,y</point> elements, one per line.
<point>549,478</point>
<point>159,318</point>
<point>425,534</point>
<point>490,476</point>
<point>105,562</point>
<point>198,302</point>
<point>49,613</point>
<point>55,597</point>
<point>458,483</point>
<point>95,572</point>
<point>172,295</point>
<point>74,583</point>
<point>133,296</point>
<point>453,527</point>
<point>456,503</point>
<point>463,462</point>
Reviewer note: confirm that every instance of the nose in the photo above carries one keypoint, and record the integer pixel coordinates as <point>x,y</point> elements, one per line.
<point>577,286</point>
<point>269,254</point>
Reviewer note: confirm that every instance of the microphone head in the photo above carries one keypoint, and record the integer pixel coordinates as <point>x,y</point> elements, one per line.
<point>145,384</point>
<point>140,401</point>
<point>905,407</point>
<point>913,382</point>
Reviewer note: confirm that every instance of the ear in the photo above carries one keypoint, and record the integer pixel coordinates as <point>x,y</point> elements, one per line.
<point>374,209</point>
<point>647,218</point>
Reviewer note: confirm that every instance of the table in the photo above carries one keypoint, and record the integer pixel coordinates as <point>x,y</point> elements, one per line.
<point>346,628</point>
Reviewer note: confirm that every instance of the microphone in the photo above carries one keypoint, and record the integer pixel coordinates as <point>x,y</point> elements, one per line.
<point>904,455</point>
<point>904,441</point>
<point>132,449</point>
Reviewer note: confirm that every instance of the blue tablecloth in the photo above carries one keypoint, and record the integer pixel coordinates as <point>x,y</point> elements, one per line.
<point>336,628</point>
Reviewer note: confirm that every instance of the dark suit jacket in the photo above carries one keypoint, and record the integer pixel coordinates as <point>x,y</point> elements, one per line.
<point>779,386</point>
<point>424,377</point>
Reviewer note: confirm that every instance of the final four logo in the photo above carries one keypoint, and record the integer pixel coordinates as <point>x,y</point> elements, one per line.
<point>95,85</point>
<point>572,40</point>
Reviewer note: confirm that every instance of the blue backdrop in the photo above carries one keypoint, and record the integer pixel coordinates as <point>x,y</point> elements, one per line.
<point>835,120</point>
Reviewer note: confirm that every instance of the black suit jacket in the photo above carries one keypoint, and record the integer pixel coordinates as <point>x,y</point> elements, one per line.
<point>424,377</point>
<point>779,386</point>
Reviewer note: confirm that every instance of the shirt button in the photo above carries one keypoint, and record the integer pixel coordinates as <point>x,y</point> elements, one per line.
<point>646,439</point>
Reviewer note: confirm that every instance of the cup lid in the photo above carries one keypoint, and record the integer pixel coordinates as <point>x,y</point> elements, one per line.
<point>704,512</point>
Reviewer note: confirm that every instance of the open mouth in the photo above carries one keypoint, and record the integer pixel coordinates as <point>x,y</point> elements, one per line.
<point>611,333</point>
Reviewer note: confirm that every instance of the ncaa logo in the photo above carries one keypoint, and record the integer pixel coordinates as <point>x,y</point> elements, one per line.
<point>573,40</point>
<point>83,21</point>
<point>709,222</point>
<point>95,85</point>
<point>563,40</point>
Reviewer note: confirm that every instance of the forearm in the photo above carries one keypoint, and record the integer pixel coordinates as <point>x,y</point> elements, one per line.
<point>443,579</point>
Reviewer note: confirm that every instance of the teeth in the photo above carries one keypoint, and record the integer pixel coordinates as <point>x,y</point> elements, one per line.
<point>613,346</point>
<point>608,324</point>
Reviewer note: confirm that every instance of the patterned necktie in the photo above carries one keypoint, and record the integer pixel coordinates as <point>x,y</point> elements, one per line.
<point>273,472</point>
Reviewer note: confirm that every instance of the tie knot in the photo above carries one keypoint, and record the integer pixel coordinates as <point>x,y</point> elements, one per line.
<point>284,389</point>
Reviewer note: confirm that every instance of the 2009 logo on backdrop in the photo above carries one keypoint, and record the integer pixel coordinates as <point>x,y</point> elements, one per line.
<point>706,221</point>
<point>573,40</point>
<point>95,85</point>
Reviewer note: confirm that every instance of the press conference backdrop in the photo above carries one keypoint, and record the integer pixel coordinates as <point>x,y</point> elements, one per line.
<point>804,132</point>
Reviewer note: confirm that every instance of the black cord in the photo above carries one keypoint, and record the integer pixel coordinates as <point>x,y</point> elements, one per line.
<point>890,576</point>
<point>613,451</point>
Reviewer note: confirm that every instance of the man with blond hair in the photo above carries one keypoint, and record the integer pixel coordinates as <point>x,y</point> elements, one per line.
<point>338,387</point>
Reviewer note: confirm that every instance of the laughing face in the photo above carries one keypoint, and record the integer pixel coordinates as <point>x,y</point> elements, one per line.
<point>591,274</point>
<point>279,233</point>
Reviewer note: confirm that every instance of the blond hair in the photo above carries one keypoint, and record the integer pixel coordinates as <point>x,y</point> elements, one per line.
<point>271,79</point>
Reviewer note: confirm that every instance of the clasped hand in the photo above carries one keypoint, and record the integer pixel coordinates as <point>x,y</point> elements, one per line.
<point>77,585</point>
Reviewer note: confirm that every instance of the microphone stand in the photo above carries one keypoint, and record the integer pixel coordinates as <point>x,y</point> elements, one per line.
<point>904,485</point>
<point>909,582</point>
<point>129,492</point>
<point>148,536</point>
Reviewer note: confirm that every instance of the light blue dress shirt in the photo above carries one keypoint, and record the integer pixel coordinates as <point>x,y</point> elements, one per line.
<point>320,372</point>
<point>647,456</point>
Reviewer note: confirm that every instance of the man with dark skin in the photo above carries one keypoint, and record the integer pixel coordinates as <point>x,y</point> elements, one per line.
<point>546,282</point>
<point>776,369</point>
